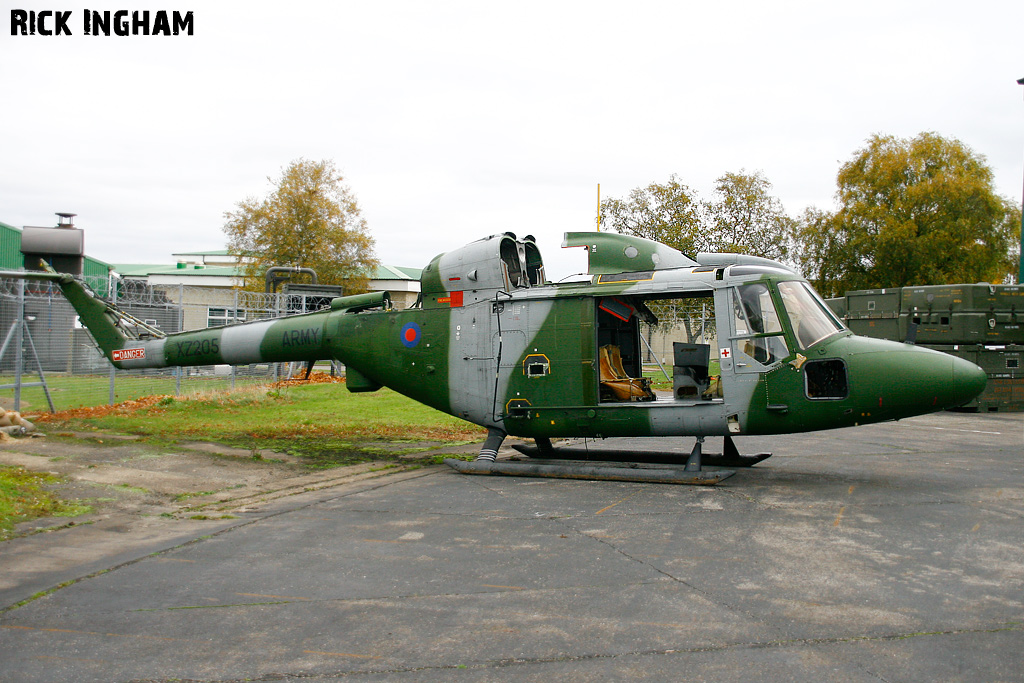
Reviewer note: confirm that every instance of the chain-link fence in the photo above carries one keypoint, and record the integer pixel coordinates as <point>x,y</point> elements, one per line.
<point>678,320</point>
<point>49,362</point>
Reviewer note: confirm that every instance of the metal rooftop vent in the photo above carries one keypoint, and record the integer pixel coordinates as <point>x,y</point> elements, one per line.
<point>63,247</point>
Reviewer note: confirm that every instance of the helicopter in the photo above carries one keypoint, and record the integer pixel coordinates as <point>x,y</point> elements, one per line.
<point>492,341</point>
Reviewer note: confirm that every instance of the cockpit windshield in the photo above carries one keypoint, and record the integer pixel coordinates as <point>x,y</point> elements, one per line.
<point>808,314</point>
<point>758,323</point>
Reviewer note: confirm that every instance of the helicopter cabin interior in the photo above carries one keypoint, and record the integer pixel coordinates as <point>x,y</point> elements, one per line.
<point>622,323</point>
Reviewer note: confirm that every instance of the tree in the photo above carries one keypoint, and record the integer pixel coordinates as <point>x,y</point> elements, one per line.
<point>745,219</point>
<point>741,218</point>
<point>669,213</point>
<point>822,252</point>
<point>310,220</point>
<point>918,211</point>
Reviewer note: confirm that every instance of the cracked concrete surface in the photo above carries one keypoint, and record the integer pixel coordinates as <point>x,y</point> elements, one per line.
<point>886,553</point>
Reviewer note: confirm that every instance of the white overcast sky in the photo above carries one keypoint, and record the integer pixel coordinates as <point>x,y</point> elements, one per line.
<point>456,120</point>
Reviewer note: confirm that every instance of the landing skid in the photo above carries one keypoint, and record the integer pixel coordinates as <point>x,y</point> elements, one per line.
<point>655,468</point>
<point>582,469</point>
<point>730,457</point>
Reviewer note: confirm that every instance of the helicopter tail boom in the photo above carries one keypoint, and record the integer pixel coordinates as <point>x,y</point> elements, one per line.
<point>129,343</point>
<point>298,338</point>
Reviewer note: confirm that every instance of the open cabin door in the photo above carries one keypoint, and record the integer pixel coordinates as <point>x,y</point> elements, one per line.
<point>671,340</point>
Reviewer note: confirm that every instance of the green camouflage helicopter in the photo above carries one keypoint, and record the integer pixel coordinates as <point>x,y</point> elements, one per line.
<point>492,342</point>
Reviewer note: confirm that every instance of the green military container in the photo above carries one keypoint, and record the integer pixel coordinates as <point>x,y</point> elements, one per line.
<point>97,274</point>
<point>981,323</point>
<point>875,313</point>
<point>964,314</point>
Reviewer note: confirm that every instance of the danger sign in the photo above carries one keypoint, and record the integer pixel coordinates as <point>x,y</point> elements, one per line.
<point>128,354</point>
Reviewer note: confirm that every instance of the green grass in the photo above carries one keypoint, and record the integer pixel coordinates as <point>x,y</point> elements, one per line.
<point>76,391</point>
<point>23,497</point>
<point>324,423</point>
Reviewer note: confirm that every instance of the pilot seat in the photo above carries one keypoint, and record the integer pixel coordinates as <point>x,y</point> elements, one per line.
<point>690,369</point>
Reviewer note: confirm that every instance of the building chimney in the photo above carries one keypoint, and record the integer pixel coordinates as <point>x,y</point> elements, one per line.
<point>63,246</point>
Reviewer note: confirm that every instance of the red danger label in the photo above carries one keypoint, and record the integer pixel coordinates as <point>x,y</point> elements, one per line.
<point>128,354</point>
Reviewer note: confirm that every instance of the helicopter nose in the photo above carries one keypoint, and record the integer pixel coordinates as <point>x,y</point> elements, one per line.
<point>901,380</point>
<point>968,381</point>
<point>935,379</point>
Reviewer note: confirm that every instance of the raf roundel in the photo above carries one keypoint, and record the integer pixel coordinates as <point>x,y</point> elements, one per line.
<point>410,335</point>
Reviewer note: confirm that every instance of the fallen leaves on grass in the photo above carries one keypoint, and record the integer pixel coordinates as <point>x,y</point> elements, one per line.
<point>123,408</point>
<point>133,405</point>
<point>269,427</point>
<point>314,378</point>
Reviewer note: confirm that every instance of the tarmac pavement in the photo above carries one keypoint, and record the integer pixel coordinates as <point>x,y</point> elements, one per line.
<point>890,552</point>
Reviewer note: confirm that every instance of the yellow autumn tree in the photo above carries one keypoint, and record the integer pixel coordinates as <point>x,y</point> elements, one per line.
<point>920,211</point>
<point>310,220</point>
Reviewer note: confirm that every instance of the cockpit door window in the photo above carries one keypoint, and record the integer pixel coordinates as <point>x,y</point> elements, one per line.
<point>756,322</point>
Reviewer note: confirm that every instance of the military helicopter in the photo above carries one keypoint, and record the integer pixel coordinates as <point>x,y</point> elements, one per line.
<point>491,341</point>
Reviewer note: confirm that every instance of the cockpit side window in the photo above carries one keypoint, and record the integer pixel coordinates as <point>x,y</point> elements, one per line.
<point>755,311</point>
<point>756,319</point>
<point>809,316</point>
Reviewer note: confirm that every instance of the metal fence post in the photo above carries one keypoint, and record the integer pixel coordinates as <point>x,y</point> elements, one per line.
<point>181,327</point>
<point>113,370</point>
<point>278,306</point>
<point>234,320</point>
<point>19,342</point>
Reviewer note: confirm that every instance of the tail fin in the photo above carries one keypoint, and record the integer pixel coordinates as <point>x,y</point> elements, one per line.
<point>111,327</point>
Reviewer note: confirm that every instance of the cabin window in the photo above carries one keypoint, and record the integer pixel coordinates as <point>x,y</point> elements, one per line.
<point>826,379</point>
<point>809,316</point>
<point>755,311</point>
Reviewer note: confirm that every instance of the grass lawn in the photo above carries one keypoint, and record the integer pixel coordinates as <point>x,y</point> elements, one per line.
<point>79,390</point>
<point>23,496</point>
<point>320,421</point>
